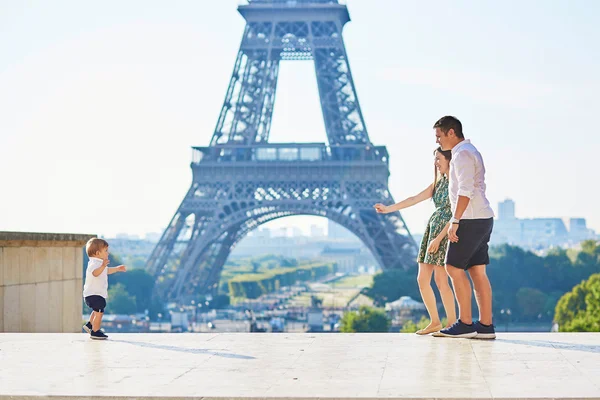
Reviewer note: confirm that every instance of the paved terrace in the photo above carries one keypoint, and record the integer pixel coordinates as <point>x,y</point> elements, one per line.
<point>310,366</point>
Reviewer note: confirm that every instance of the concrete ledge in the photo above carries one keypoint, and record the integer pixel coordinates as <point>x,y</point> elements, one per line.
<point>35,239</point>
<point>299,366</point>
<point>41,278</point>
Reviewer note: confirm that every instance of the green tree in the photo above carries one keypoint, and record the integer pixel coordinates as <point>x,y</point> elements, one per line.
<point>119,301</point>
<point>366,319</point>
<point>531,302</point>
<point>590,247</point>
<point>579,310</point>
<point>138,283</point>
<point>220,301</point>
<point>255,267</point>
<point>551,301</point>
<point>410,327</point>
<point>392,284</point>
<point>521,279</point>
<point>289,262</point>
<point>216,302</point>
<point>528,284</point>
<point>138,262</point>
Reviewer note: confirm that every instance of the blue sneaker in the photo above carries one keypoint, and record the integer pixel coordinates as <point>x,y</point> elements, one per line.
<point>485,332</point>
<point>458,330</point>
<point>98,335</point>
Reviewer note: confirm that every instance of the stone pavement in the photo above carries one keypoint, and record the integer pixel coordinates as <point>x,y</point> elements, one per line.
<point>310,366</point>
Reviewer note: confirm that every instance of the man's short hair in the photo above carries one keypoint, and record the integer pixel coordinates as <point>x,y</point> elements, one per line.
<point>449,122</point>
<point>94,245</point>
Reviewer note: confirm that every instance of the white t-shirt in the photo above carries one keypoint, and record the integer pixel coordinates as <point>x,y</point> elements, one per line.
<point>95,285</point>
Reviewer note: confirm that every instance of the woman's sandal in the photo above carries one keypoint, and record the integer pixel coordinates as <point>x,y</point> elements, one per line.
<point>426,331</point>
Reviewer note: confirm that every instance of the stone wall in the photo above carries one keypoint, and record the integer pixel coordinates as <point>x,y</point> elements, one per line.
<point>41,282</point>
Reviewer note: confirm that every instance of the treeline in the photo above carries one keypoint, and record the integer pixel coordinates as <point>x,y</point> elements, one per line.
<point>526,284</point>
<point>252,286</point>
<point>579,309</point>
<point>252,265</point>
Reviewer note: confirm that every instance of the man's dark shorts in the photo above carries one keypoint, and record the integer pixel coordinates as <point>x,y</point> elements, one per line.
<point>96,303</point>
<point>472,246</point>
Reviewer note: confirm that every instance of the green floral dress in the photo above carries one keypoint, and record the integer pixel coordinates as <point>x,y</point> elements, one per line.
<point>437,222</point>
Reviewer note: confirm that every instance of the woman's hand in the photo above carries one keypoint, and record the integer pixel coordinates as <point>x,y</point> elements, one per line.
<point>434,246</point>
<point>381,209</point>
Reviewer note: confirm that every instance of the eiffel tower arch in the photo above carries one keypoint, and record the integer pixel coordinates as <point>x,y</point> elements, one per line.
<point>241,180</point>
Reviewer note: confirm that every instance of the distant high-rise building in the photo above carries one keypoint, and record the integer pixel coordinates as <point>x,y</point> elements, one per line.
<point>543,232</point>
<point>506,210</point>
<point>578,225</point>
<point>537,233</point>
<point>579,231</point>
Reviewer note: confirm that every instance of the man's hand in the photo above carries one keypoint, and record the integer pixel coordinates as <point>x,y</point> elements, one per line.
<point>452,233</point>
<point>121,268</point>
<point>381,209</point>
<point>434,246</point>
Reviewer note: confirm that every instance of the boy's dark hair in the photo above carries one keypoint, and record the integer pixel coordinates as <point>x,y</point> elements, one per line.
<point>94,245</point>
<point>449,122</point>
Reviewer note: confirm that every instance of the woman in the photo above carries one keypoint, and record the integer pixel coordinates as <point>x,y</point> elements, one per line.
<point>434,243</point>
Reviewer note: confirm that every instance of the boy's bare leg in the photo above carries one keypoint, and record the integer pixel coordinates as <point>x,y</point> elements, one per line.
<point>97,321</point>
<point>92,315</point>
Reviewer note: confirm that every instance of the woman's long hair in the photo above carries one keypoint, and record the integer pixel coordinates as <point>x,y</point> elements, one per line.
<point>448,156</point>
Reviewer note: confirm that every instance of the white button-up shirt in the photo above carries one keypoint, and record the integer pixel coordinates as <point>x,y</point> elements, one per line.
<point>467,178</point>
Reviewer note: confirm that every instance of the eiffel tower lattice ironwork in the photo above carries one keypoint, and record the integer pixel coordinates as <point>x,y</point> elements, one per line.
<point>242,181</point>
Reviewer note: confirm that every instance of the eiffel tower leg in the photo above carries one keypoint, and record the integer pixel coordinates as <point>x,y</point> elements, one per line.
<point>202,263</point>
<point>343,118</point>
<point>198,251</point>
<point>165,245</point>
<point>389,239</point>
<point>209,272</point>
<point>246,119</point>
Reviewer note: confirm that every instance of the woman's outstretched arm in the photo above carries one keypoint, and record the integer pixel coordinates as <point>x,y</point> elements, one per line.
<point>409,202</point>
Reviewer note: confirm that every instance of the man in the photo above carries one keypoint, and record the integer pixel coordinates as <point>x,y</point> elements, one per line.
<point>469,232</point>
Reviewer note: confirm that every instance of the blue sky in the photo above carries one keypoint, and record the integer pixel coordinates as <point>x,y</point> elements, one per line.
<point>101,102</point>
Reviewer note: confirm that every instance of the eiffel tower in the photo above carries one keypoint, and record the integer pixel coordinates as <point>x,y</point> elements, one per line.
<point>242,180</point>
